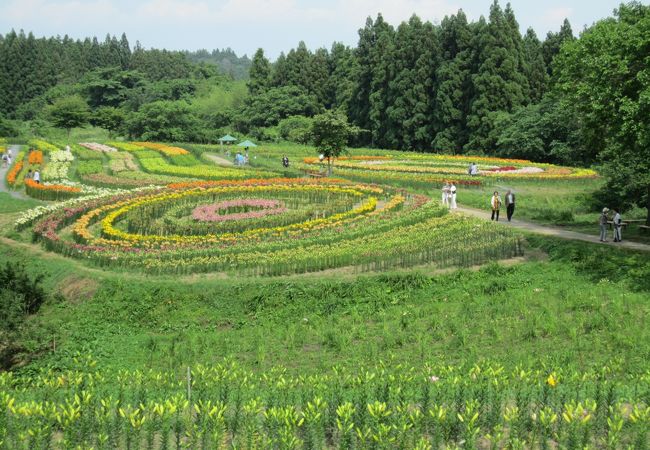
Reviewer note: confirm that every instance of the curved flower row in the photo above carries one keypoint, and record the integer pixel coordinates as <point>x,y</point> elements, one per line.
<point>411,167</point>
<point>46,191</point>
<point>323,225</point>
<point>14,171</point>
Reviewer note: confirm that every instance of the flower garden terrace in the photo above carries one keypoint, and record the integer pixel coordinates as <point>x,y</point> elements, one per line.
<point>434,169</point>
<point>265,227</point>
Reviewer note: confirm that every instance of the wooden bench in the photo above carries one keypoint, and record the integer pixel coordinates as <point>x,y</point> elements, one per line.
<point>644,228</point>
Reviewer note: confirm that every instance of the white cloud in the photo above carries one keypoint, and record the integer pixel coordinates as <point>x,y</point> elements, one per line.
<point>555,16</point>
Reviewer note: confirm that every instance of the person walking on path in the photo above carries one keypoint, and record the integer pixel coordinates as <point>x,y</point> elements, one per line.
<point>495,202</point>
<point>617,222</point>
<point>510,204</point>
<point>445,194</point>
<point>452,194</point>
<point>603,225</point>
<point>37,177</point>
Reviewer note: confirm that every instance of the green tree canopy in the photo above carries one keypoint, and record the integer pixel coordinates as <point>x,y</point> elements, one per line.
<point>606,75</point>
<point>330,135</point>
<point>163,121</point>
<point>68,113</point>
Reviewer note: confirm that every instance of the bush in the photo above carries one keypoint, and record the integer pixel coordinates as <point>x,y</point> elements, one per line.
<point>295,129</point>
<point>21,294</point>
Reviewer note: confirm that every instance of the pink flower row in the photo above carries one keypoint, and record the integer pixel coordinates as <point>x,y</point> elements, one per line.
<point>210,213</point>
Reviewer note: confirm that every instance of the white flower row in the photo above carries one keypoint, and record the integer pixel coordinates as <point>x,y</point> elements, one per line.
<point>29,216</point>
<point>98,147</point>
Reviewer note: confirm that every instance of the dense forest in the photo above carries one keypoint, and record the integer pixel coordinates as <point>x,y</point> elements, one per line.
<point>455,87</point>
<point>226,60</point>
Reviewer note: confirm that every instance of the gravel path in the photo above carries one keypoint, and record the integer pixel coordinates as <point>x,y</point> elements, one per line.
<point>218,160</point>
<point>554,231</point>
<point>3,176</point>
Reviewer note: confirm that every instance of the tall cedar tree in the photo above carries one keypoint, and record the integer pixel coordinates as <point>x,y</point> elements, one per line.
<point>340,84</point>
<point>260,74</point>
<point>499,84</point>
<point>553,43</point>
<point>534,68</point>
<point>381,75</point>
<point>451,99</point>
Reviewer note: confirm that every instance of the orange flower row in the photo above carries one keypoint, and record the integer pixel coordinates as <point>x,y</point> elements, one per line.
<point>51,187</point>
<point>13,173</point>
<point>166,149</point>
<point>35,157</point>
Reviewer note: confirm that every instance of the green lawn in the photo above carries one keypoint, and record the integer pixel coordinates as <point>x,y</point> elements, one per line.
<point>555,312</point>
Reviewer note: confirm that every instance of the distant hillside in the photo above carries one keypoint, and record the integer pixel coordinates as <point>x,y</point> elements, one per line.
<point>226,59</point>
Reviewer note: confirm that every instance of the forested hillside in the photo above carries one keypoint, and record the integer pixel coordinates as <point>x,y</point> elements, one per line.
<point>226,60</point>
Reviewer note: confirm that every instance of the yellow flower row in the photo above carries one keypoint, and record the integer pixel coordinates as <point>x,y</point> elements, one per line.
<point>82,233</point>
<point>109,230</point>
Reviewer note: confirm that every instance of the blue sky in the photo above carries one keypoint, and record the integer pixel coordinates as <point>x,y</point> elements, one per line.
<point>274,25</point>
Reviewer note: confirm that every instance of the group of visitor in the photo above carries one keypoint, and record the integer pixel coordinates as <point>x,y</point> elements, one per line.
<point>285,161</point>
<point>240,159</point>
<point>496,202</point>
<point>36,176</point>
<point>617,222</point>
<point>449,195</point>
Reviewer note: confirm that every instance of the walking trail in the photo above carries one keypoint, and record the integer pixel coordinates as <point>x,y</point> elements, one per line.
<point>3,177</point>
<point>218,160</point>
<point>554,231</point>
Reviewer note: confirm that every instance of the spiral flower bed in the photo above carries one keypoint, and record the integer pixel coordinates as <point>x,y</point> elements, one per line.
<point>266,227</point>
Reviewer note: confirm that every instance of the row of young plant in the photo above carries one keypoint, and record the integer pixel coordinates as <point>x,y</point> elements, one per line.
<point>389,406</point>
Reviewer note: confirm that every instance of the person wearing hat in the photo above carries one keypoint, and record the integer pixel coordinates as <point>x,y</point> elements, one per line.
<point>603,225</point>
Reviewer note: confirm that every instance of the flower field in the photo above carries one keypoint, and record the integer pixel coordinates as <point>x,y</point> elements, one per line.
<point>383,407</point>
<point>152,159</point>
<point>433,169</point>
<point>266,227</point>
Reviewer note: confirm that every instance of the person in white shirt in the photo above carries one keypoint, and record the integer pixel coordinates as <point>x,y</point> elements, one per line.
<point>452,194</point>
<point>37,177</point>
<point>445,194</point>
<point>495,202</point>
<point>618,224</point>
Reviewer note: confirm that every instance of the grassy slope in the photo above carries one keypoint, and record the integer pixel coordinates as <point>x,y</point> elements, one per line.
<point>555,312</point>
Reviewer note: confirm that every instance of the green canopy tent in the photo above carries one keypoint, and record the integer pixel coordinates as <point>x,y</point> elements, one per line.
<point>246,144</point>
<point>228,139</point>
